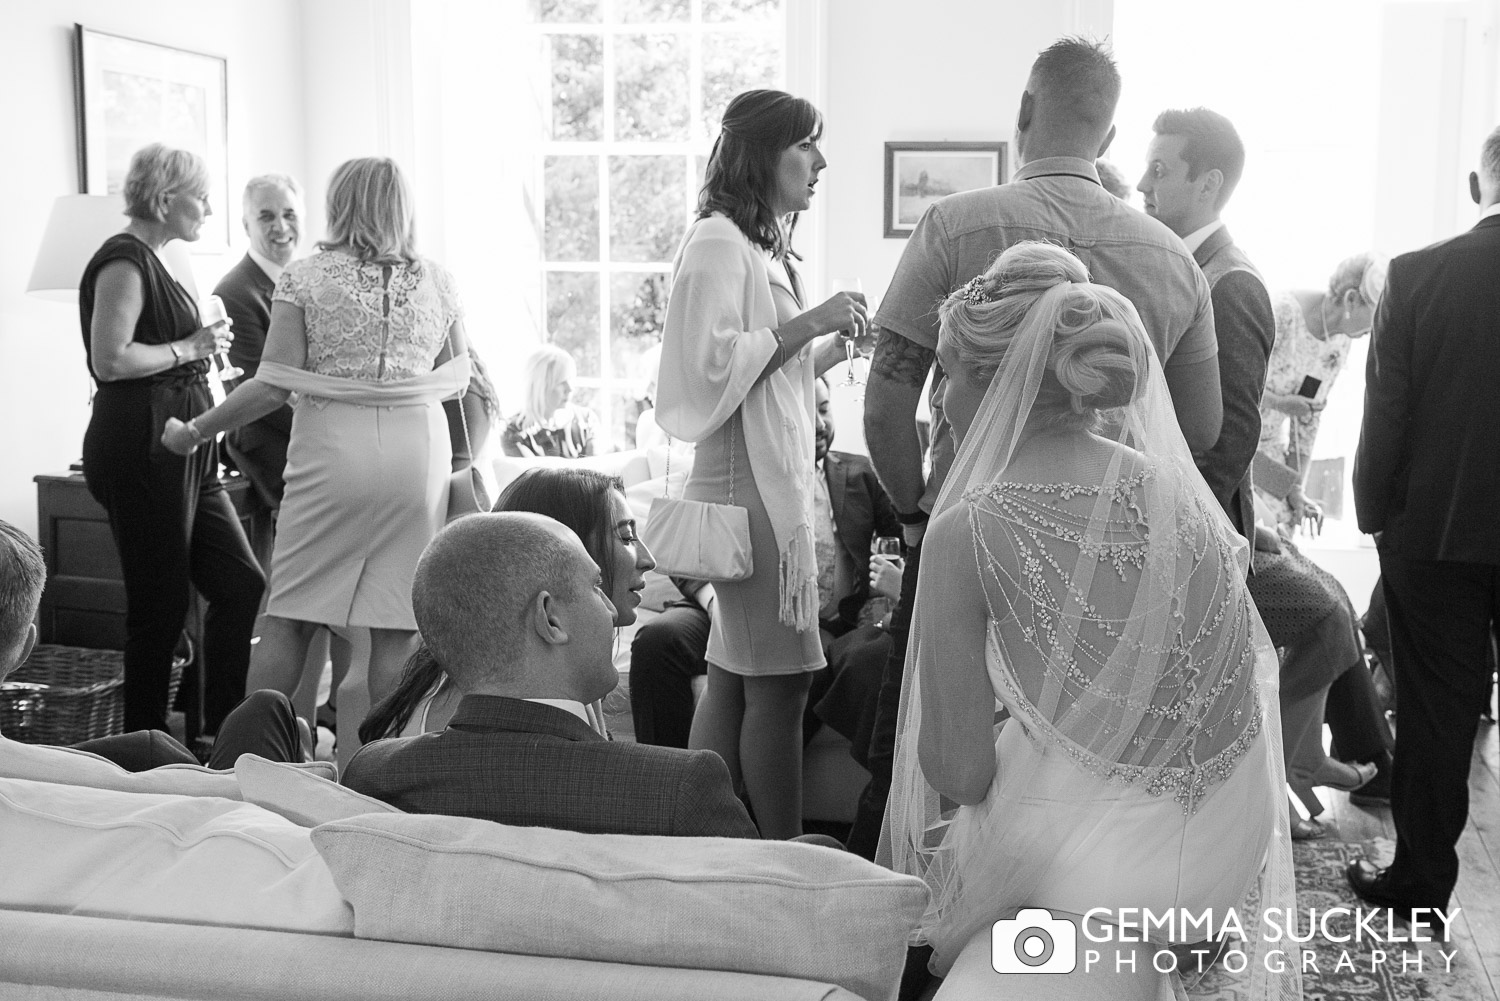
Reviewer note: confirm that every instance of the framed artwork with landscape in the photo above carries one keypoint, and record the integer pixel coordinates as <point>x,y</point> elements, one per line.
<point>130,93</point>
<point>919,173</point>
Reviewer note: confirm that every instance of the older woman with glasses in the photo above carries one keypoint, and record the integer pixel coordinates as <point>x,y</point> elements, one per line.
<point>173,524</point>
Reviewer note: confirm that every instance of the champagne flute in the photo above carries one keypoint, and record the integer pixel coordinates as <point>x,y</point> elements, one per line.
<point>210,311</point>
<point>849,285</point>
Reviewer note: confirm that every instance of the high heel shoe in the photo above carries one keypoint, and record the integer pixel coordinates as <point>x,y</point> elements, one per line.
<point>1332,773</point>
<point>1336,774</point>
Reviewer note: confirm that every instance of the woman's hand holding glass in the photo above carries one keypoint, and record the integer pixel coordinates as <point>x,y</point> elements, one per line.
<point>205,342</point>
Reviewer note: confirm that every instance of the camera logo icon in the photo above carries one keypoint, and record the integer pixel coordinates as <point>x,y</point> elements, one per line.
<point>1034,942</point>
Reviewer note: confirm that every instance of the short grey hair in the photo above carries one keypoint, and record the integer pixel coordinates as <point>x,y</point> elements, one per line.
<point>156,170</point>
<point>1489,157</point>
<point>274,181</point>
<point>23,573</point>
<point>474,585</point>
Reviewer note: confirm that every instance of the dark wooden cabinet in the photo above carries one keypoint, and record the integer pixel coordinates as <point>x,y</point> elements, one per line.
<point>84,602</point>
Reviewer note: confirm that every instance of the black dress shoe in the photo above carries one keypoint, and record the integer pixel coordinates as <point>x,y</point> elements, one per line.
<point>1372,883</point>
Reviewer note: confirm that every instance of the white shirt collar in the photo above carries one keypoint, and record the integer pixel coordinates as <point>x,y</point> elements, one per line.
<point>567,705</point>
<point>1195,239</point>
<point>1492,210</point>
<point>271,268</point>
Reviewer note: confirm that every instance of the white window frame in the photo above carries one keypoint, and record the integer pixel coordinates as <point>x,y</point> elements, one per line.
<point>800,25</point>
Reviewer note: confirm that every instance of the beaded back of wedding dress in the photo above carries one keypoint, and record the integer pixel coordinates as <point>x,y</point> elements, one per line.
<point>1137,748</point>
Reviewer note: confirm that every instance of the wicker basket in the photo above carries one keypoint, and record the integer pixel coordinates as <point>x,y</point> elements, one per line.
<point>63,695</point>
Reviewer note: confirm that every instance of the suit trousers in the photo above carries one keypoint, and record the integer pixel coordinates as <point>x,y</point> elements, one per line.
<point>880,755</point>
<point>263,724</point>
<point>1440,620</point>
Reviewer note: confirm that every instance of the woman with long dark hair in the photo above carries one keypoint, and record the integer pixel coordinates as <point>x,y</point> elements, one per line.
<point>739,355</point>
<point>593,505</point>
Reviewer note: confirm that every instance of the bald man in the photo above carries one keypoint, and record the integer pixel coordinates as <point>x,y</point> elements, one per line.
<point>514,609</point>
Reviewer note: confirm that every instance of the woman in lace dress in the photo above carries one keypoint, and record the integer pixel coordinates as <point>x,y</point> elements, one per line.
<point>370,336</point>
<point>1090,720</point>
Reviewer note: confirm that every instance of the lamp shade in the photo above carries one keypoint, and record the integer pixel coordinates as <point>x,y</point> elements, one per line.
<point>77,226</point>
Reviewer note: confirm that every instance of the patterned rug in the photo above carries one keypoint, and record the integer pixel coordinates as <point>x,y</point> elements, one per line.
<point>1347,971</point>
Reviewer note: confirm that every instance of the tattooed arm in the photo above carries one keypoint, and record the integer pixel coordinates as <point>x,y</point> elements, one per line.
<point>897,373</point>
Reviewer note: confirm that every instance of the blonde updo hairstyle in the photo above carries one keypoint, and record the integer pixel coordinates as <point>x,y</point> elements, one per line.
<point>157,171</point>
<point>1099,354</point>
<point>1363,274</point>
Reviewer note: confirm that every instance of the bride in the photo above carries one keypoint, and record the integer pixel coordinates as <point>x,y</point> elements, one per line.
<point>1091,722</point>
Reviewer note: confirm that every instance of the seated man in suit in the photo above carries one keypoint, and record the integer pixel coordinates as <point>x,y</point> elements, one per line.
<point>262,724</point>
<point>669,651</point>
<point>514,609</point>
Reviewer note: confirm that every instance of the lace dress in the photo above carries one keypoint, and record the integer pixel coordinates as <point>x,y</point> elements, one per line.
<point>366,486</point>
<point>1174,811</point>
<point>1295,355</point>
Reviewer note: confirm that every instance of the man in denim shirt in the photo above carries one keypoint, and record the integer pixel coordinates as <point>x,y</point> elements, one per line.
<point>1065,123</point>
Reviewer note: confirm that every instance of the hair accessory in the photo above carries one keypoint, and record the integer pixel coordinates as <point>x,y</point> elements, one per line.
<point>976,291</point>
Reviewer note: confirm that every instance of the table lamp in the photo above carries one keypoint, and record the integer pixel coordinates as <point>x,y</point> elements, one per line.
<point>77,226</point>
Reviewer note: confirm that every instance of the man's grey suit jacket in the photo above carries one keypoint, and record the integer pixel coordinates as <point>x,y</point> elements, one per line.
<point>535,765</point>
<point>1246,328</point>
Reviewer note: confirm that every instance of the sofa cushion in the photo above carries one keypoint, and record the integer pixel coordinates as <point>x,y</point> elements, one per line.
<point>298,795</point>
<point>66,766</point>
<point>770,907</point>
<point>195,859</point>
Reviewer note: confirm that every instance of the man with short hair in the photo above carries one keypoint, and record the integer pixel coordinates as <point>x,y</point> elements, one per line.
<point>1426,481</point>
<point>1193,164</point>
<point>514,609</point>
<point>1065,123</point>
<point>262,724</point>
<point>272,218</point>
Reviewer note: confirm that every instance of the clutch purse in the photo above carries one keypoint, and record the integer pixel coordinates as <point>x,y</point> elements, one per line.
<point>697,539</point>
<point>1275,478</point>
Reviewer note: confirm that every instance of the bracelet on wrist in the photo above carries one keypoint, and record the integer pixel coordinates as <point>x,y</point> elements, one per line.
<point>917,517</point>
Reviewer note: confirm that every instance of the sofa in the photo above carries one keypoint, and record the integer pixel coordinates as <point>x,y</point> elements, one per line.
<point>271,881</point>
<point>831,779</point>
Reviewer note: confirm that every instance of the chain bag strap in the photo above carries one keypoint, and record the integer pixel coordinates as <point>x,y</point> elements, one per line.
<point>467,492</point>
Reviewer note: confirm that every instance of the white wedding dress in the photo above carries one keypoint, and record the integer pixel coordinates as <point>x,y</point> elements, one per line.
<point>1137,760</point>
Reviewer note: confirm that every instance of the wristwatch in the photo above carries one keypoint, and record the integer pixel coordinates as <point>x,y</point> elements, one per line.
<point>916,517</point>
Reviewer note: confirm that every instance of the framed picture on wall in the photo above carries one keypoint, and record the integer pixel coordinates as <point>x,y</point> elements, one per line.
<point>919,173</point>
<point>130,93</point>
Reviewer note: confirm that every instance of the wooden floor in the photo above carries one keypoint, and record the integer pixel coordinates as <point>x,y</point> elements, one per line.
<point>1478,891</point>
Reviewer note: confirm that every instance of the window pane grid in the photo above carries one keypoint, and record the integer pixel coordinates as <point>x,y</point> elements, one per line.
<point>640,166</point>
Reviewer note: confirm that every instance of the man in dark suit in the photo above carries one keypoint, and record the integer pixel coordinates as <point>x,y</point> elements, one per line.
<point>1193,164</point>
<point>1426,484</point>
<point>273,221</point>
<point>515,611</point>
<point>668,652</point>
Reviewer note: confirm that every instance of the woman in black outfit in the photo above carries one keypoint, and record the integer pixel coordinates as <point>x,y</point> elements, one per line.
<point>173,524</point>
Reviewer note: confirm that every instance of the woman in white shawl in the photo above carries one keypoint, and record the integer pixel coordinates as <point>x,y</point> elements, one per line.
<point>739,356</point>
<point>1090,716</point>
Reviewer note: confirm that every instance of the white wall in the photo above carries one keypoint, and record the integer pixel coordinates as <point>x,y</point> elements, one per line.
<point>895,70</point>
<point>43,381</point>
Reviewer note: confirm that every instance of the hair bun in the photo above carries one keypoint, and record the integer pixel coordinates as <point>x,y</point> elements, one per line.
<point>1098,365</point>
